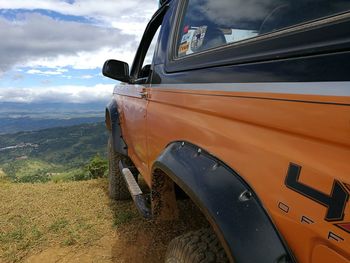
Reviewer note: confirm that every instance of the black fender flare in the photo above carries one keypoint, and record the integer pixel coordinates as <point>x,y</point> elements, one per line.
<point>233,209</point>
<point>112,120</point>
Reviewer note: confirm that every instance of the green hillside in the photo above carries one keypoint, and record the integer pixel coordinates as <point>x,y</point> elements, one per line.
<point>51,153</point>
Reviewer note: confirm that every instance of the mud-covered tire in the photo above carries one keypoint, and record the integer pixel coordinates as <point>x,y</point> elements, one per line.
<point>117,188</point>
<point>194,247</point>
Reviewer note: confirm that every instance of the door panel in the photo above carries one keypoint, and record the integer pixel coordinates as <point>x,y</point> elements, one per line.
<point>133,122</point>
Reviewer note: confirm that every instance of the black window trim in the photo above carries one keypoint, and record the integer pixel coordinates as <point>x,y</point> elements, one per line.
<point>146,40</point>
<point>174,32</point>
<point>193,61</point>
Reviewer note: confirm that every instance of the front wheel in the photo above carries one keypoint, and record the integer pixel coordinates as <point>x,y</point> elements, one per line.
<point>200,246</point>
<point>117,187</point>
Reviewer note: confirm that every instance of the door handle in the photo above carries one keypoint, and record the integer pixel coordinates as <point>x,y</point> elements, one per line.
<point>143,94</point>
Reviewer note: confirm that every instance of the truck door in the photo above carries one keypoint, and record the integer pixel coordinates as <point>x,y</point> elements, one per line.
<point>134,97</point>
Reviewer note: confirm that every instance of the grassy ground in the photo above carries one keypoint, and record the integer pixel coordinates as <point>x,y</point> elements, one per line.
<point>76,222</point>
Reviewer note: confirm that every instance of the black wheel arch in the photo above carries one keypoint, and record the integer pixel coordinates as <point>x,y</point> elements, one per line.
<point>112,120</point>
<point>235,212</point>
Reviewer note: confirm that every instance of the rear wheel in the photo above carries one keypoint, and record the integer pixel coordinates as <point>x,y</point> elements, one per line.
<point>117,187</point>
<point>194,247</point>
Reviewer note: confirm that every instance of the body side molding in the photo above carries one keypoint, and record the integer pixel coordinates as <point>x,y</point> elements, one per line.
<point>112,120</point>
<point>235,212</point>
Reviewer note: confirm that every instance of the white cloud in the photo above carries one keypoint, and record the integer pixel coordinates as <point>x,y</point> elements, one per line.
<point>39,40</point>
<point>66,93</point>
<point>87,76</point>
<point>84,59</point>
<point>89,8</point>
<point>58,71</point>
<point>129,16</point>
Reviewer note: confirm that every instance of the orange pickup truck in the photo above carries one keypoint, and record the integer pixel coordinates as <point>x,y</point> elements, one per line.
<point>245,108</point>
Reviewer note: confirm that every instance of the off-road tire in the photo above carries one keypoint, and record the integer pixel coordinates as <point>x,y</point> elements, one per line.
<point>117,188</point>
<point>194,247</point>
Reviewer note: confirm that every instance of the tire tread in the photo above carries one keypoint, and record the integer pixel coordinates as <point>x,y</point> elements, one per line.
<point>200,246</point>
<point>117,188</point>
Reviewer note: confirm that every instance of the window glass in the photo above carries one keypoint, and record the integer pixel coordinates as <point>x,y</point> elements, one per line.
<point>151,49</point>
<point>145,71</point>
<point>211,23</point>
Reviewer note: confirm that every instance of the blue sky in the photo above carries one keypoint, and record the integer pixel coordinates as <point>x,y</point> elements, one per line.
<point>58,47</point>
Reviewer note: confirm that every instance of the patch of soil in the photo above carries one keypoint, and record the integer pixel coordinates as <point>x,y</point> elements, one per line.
<point>147,241</point>
<point>76,222</point>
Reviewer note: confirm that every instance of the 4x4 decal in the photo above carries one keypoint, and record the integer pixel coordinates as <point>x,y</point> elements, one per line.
<point>335,202</point>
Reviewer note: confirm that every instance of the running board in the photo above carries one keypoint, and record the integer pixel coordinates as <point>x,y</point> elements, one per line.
<point>139,198</point>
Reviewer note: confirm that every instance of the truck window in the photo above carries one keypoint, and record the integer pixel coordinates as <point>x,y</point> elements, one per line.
<point>146,66</point>
<point>140,72</point>
<point>212,23</point>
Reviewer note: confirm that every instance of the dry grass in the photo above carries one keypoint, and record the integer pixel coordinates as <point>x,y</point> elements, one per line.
<point>76,222</point>
<point>33,216</point>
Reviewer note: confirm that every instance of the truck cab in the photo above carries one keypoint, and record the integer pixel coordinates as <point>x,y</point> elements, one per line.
<point>245,108</point>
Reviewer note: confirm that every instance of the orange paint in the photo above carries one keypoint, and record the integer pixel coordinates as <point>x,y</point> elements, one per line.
<point>257,135</point>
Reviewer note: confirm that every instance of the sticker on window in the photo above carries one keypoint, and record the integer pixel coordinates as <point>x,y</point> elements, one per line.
<point>186,28</point>
<point>183,48</point>
<point>186,37</point>
<point>198,37</point>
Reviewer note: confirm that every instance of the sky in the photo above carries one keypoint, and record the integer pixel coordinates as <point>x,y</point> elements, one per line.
<point>53,50</point>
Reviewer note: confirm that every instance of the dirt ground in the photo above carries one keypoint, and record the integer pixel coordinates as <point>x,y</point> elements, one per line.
<point>76,222</point>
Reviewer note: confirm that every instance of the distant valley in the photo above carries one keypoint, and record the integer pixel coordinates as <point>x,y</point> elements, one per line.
<point>45,141</point>
<point>60,151</point>
<point>16,117</point>
<point>13,125</point>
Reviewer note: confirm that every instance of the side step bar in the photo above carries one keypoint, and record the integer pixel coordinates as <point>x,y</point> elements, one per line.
<point>139,198</point>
